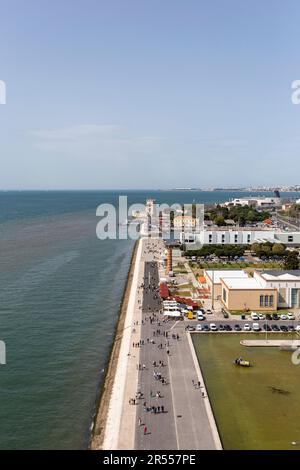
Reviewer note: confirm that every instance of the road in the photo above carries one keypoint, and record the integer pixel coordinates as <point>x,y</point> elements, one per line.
<point>184,424</point>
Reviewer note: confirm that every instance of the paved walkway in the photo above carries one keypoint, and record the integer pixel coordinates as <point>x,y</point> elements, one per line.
<point>185,421</point>
<point>195,425</point>
<point>161,433</point>
<point>271,342</point>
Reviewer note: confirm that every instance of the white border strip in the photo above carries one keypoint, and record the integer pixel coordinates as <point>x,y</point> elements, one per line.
<point>113,423</point>
<point>208,406</point>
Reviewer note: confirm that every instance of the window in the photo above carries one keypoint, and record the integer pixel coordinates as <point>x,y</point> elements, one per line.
<point>248,238</point>
<point>266,300</point>
<point>210,238</point>
<point>271,303</point>
<point>290,238</point>
<point>261,301</point>
<point>224,295</point>
<point>235,238</point>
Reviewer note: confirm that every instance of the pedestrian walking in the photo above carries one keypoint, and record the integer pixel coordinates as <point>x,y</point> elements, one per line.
<point>140,422</point>
<point>145,430</point>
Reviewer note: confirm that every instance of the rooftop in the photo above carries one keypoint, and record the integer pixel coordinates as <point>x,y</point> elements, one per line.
<point>281,275</point>
<point>249,283</point>
<point>217,275</point>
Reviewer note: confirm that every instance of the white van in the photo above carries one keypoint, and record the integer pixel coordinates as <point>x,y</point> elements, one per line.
<point>254,316</point>
<point>200,316</point>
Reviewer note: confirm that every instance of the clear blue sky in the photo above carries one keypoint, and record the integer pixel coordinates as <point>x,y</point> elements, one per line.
<point>149,93</point>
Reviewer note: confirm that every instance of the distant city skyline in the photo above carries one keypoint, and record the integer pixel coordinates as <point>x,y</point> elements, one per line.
<point>137,94</point>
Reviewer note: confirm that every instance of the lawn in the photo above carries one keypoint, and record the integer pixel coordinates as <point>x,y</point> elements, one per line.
<point>264,312</point>
<point>236,265</point>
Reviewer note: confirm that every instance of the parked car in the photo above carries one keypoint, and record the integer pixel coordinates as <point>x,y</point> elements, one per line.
<point>254,316</point>
<point>261,316</point>
<point>243,317</point>
<point>291,328</point>
<point>297,328</point>
<point>228,327</point>
<point>247,327</point>
<point>255,327</point>
<point>283,328</point>
<point>213,327</point>
<point>200,317</point>
<point>237,327</point>
<point>269,316</point>
<point>283,317</point>
<point>275,328</point>
<point>190,328</point>
<point>266,327</point>
<point>221,327</point>
<point>208,311</point>
<point>206,327</point>
<point>275,316</point>
<point>291,316</point>
<point>225,314</point>
<point>199,328</point>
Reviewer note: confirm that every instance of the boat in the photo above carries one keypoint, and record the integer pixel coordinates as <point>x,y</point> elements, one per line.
<point>241,362</point>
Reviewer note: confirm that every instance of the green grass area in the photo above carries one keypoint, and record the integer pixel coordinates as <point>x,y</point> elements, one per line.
<point>180,271</point>
<point>249,413</point>
<point>264,312</point>
<point>235,265</point>
<point>187,285</point>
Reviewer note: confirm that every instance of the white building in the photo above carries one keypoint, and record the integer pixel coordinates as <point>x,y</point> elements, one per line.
<point>287,284</point>
<point>258,202</point>
<point>151,207</point>
<point>240,236</point>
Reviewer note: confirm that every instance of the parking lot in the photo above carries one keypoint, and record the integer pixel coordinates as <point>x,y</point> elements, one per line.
<point>238,326</point>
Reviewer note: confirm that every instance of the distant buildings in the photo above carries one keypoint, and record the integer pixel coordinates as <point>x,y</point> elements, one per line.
<point>183,222</point>
<point>151,207</point>
<point>240,236</point>
<point>256,202</point>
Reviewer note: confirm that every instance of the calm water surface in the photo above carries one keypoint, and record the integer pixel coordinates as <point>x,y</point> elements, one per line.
<point>249,414</point>
<point>60,292</point>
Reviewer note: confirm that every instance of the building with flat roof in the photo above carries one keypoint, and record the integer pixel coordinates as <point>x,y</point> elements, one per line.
<point>213,279</point>
<point>184,222</point>
<point>267,290</point>
<point>263,202</point>
<point>248,294</point>
<point>240,236</point>
<point>287,283</point>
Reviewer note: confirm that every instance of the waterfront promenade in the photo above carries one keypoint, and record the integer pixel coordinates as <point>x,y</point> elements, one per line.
<point>156,402</point>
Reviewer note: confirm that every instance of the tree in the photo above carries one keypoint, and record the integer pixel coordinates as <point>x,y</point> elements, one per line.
<point>242,221</point>
<point>255,247</point>
<point>291,261</point>
<point>278,249</point>
<point>219,220</point>
<point>251,216</point>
